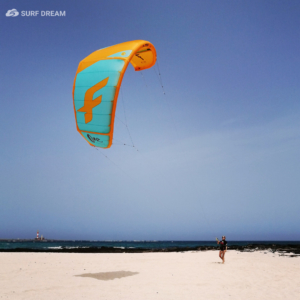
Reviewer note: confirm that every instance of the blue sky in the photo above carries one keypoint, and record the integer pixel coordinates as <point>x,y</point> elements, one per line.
<point>218,154</point>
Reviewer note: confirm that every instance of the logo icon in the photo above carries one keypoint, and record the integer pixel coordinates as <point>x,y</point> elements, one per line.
<point>12,13</point>
<point>93,139</point>
<point>89,103</point>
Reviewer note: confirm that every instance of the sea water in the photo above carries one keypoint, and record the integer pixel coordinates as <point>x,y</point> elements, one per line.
<point>155,245</point>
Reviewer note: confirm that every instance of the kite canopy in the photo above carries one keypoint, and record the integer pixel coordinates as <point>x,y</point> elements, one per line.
<point>96,87</point>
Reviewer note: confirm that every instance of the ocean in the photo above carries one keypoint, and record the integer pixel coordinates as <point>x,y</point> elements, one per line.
<point>52,245</point>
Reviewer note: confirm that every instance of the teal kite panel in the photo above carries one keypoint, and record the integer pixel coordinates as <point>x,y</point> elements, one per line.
<point>87,78</point>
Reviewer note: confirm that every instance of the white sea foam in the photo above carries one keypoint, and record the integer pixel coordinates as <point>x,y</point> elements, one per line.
<point>54,247</point>
<point>76,247</point>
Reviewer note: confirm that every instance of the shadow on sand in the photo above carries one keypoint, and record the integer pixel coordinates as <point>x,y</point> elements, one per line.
<point>108,275</point>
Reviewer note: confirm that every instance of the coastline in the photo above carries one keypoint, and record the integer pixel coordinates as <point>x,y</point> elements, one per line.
<point>292,249</point>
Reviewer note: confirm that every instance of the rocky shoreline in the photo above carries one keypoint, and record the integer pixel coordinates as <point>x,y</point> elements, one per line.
<point>290,250</point>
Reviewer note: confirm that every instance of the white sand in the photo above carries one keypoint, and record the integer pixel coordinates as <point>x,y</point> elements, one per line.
<point>188,275</point>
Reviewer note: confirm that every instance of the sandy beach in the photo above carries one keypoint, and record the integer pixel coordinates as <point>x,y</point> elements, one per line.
<point>183,275</point>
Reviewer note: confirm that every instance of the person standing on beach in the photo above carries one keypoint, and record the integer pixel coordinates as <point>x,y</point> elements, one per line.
<point>223,248</point>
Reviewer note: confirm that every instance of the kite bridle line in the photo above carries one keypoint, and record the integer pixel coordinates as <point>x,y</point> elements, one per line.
<point>144,79</point>
<point>126,125</point>
<point>163,90</point>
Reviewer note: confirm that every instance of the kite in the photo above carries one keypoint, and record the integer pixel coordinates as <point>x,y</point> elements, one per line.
<point>97,84</point>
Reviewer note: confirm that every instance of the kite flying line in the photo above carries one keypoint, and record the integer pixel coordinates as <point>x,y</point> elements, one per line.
<point>164,93</point>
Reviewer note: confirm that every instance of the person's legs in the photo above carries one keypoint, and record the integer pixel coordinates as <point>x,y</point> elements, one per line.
<point>221,254</point>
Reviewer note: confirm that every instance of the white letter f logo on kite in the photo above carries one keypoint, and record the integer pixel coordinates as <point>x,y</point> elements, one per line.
<point>89,103</point>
